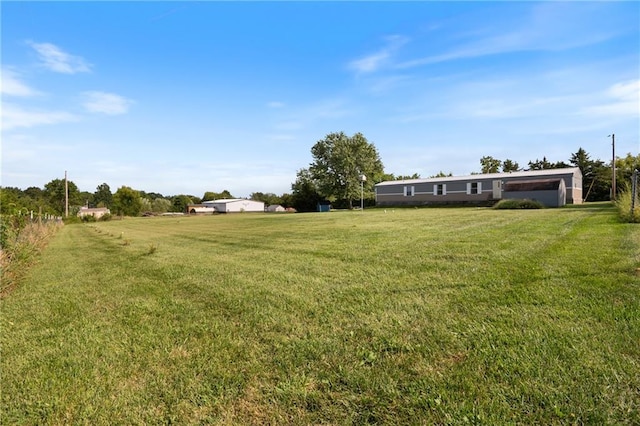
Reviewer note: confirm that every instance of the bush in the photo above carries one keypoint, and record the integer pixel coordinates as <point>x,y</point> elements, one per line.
<point>88,218</point>
<point>623,204</point>
<point>71,219</point>
<point>105,217</point>
<point>518,204</point>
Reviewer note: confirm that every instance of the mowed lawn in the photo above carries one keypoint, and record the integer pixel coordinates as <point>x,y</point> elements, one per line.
<point>403,316</point>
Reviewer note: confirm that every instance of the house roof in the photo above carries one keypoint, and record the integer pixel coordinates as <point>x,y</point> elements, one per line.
<point>528,173</point>
<point>93,209</point>
<point>229,200</point>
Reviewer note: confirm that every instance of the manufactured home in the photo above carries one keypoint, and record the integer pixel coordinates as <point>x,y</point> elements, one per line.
<point>481,189</point>
<point>235,205</point>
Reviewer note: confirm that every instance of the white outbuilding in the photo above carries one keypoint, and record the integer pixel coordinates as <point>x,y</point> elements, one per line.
<point>276,208</point>
<point>235,205</point>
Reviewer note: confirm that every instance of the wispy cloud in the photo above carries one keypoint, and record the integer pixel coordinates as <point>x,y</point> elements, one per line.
<point>275,104</point>
<point>14,116</point>
<point>376,60</point>
<point>12,86</point>
<point>57,60</point>
<point>547,27</point>
<point>621,99</point>
<point>106,103</point>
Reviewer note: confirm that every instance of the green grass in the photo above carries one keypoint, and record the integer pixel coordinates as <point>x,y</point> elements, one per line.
<point>409,316</point>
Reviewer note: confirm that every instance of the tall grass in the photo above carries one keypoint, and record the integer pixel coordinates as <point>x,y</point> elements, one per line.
<point>623,204</point>
<point>22,241</point>
<point>413,316</point>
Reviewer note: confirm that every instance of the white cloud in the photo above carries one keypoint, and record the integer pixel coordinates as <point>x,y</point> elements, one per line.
<point>57,60</point>
<point>376,60</point>
<point>623,99</point>
<point>12,86</point>
<point>106,103</point>
<point>14,116</point>
<point>276,104</point>
<point>548,27</point>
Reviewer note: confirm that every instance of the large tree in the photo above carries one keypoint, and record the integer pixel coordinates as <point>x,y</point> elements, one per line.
<point>596,176</point>
<point>211,196</point>
<point>268,198</point>
<point>127,201</point>
<point>180,202</point>
<point>340,161</point>
<point>103,196</point>
<point>624,170</point>
<point>490,164</point>
<point>304,193</point>
<point>54,193</point>
<point>510,166</point>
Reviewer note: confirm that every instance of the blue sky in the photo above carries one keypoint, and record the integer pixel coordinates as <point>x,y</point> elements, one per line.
<point>193,97</point>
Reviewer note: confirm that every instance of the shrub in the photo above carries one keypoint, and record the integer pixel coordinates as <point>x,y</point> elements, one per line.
<point>72,219</point>
<point>623,204</point>
<point>518,204</point>
<point>105,217</point>
<point>88,218</point>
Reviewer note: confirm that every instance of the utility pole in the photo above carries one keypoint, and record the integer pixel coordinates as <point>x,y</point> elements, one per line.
<point>613,167</point>
<point>66,195</point>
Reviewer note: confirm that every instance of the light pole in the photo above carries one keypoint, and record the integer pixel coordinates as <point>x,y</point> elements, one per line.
<point>613,166</point>
<point>363,179</point>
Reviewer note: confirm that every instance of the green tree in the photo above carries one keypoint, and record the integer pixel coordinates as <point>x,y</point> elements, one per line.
<point>340,161</point>
<point>287,200</point>
<point>180,202</point>
<point>127,201</point>
<point>54,194</point>
<point>540,164</point>
<point>624,169</point>
<point>145,205</point>
<point>490,165</point>
<point>268,198</point>
<point>596,179</point>
<point>87,198</point>
<point>210,195</point>
<point>442,174</point>
<point>103,196</point>
<point>304,193</point>
<point>160,205</point>
<point>408,177</point>
<point>510,166</point>
<point>544,164</point>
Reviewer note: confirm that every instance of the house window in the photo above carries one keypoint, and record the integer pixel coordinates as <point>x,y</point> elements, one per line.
<point>440,189</point>
<point>474,188</point>
<point>409,191</point>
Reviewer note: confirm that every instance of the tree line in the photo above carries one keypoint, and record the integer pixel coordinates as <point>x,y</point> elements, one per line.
<point>343,172</point>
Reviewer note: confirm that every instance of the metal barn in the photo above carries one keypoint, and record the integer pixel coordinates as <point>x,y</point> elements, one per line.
<point>235,205</point>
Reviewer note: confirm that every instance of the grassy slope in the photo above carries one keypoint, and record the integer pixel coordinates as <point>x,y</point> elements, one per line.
<point>409,316</point>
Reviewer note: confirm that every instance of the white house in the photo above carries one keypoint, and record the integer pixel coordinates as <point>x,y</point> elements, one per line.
<point>97,212</point>
<point>235,205</point>
<point>276,208</point>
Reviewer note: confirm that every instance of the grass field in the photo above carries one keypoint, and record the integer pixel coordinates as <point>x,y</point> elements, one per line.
<point>409,316</point>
